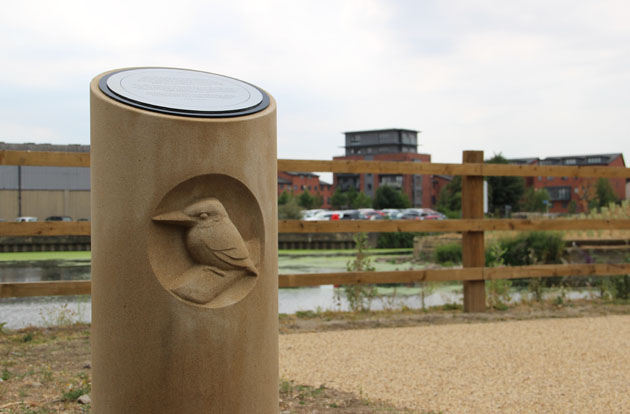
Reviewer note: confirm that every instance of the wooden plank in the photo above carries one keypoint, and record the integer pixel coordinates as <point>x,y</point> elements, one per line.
<point>82,159</point>
<point>473,254</point>
<point>456,225</point>
<point>554,171</point>
<point>45,158</point>
<point>61,288</point>
<point>519,272</point>
<point>356,278</point>
<point>82,228</point>
<point>45,228</point>
<point>487,170</point>
<point>376,167</point>
<point>443,275</point>
<point>83,287</point>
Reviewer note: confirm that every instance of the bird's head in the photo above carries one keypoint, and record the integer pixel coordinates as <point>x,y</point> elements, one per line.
<point>204,212</point>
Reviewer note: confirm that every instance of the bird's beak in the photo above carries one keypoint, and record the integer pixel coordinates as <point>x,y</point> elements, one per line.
<point>175,217</point>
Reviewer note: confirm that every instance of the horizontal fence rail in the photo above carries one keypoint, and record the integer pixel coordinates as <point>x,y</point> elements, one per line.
<point>356,226</point>
<point>46,228</point>
<point>82,159</point>
<point>474,169</point>
<point>45,158</point>
<point>82,287</point>
<point>452,225</point>
<point>468,226</point>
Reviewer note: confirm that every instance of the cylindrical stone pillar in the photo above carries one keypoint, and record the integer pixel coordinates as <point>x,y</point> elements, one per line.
<point>184,244</point>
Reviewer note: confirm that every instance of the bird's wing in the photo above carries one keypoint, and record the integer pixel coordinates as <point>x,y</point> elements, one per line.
<point>228,241</point>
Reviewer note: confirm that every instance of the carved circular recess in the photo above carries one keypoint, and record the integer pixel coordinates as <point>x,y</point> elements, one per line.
<point>206,241</point>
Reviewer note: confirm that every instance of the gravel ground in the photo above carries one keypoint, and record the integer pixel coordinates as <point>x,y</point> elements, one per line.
<point>538,366</point>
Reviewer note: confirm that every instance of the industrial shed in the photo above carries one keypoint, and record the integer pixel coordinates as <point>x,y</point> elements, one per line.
<point>44,191</point>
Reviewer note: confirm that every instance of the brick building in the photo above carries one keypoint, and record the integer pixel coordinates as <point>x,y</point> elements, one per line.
<point>387,145</point>
<point>564,191</point>
<point>298,182</point>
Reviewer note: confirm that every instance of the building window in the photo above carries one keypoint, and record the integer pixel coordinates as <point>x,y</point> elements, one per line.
<point>355,139</point>
<point>408,138</point>
<point>594,160</point>
<point>395,181</point>
<point>570,161</point>
<point>559,193</point>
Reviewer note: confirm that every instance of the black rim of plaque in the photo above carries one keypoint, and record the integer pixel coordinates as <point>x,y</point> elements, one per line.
<point>183,112</point>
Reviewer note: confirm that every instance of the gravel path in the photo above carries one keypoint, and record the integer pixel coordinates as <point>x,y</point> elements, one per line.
<point>555,366</point>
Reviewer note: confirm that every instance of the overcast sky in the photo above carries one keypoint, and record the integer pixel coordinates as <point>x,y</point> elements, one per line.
<point>526,79</point>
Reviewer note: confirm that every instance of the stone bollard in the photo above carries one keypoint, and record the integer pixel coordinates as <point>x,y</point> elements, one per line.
<point>184,244</point>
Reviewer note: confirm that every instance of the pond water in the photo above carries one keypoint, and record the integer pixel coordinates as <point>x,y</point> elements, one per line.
<point>42,311</point>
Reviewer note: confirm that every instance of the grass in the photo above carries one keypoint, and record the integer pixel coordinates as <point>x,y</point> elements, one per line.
<point>34,256</point>
<point>318,252</point>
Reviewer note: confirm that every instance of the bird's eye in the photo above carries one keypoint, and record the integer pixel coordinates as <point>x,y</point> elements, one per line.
<point>203,215</point>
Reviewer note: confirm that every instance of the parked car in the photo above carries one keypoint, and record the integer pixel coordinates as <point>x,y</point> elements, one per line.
<point>378,217</point>
<point>374,213</point>
<point>58,218</point>
<point>311,213</point>
<point>392,213</point>
<point>325,215</point>
<point>409,215</point>
<point>351,215</point>
<point>429,214</point>
<point>26,219</point>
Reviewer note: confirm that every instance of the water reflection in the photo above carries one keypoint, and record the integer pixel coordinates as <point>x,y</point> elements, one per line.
<point>44,270</point>
<point>42,311</point>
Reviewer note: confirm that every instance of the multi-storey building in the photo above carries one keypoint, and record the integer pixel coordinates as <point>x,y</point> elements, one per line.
<point>298,182</point>
<point>576,192</point>
<point>386,145</point>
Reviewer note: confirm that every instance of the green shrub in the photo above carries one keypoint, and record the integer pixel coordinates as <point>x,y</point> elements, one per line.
<point>394,240</point>
<point>448,253</point>
<point>359,297</point>
<point>620,287</point>
<point>532,248</point>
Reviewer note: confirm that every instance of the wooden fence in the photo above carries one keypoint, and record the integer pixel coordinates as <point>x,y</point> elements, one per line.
<point>472,225</point>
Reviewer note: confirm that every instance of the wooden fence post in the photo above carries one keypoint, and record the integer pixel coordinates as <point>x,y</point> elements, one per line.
<point>473,254</point>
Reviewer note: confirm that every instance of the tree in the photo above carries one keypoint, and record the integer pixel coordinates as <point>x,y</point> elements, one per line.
<point>504,191</point>
<point>283,198</point>
<point>338,199</point>
<point>388,197</point>
<point>318,200</point>
<point>361,200</point>
<point>351,196</point>
<point>450,198</point>
<point>535,200</point>
<point>290,210</point>
<point>604,193</point>
<point>306,200</point>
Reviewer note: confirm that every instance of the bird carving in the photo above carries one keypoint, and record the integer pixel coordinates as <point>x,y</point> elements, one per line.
<point>215,244</point>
